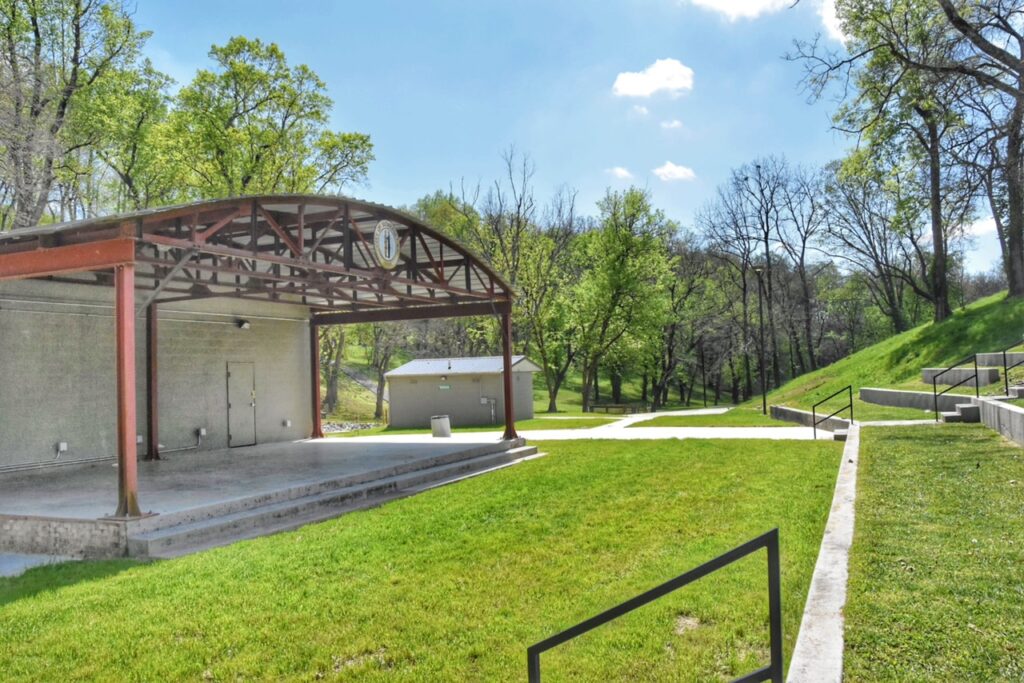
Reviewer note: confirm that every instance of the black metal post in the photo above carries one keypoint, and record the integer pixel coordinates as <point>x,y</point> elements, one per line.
<point>775,605</point>
<point>851,403</point>
<point>1006,375</point>
<point>977,384</point>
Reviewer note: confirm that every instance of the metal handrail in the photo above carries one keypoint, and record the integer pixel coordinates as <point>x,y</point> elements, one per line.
<point>768,541</point>
<point>1007,368</point>
<point>935,382</point>
<point>849,405</point>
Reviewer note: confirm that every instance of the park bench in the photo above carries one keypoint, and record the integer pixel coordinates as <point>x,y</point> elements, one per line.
<point>619,408</point>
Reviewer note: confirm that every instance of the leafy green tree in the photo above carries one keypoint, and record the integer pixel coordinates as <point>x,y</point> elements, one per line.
<point>124,119</point>
<point>255,124</point>
<point>623,264</point>
<point>53,52</point>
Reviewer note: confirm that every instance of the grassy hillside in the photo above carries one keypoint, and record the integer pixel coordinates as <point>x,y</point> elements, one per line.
<point>987,325</point>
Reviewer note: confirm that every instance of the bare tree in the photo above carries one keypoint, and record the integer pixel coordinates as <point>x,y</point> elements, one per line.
<point>51,52</point>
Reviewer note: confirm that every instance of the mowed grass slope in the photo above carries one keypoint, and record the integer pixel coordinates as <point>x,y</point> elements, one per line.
<point>986,325</point>
<point>454,584</point>
<point>936,587</point>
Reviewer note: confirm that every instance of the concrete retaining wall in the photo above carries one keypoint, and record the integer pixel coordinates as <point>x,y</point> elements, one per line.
<point>996,359</point>
<point>57,371</point>
<point>1005,418</point>
<point>80,538</point>
<point>922,400</point>
<point>806,418</point>
<point>986,376</point>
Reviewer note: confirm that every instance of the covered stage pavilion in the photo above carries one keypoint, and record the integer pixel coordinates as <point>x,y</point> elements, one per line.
<point>296,262</point>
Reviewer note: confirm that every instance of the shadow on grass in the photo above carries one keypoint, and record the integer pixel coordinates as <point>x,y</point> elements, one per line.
<point>55,576</point>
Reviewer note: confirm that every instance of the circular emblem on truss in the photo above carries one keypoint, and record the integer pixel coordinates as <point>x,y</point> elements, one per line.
<point>385,243</point>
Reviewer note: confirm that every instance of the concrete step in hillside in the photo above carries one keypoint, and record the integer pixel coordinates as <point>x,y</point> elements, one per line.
<point>1016,392</point>
<point>839,435</point>
<point>284,515</point>
<point>965,412</point>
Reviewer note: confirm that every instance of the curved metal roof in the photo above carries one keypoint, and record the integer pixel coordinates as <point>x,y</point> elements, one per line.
<point>308,250</point>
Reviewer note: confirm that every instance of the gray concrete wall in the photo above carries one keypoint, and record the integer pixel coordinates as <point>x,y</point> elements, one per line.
<point>413,400</point>
<point>1005,418</point>
<point>80,538</point>
<point>806,418</point>
<point>986,376</point>
<point>922,400</point>
<point>57,371</point>
<point>996,359</point>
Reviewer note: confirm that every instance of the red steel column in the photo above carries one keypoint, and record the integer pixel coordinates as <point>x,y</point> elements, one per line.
<point>314,380</point>
<point>506,376</point>
<point>127,465</point>
<point>152,404</point>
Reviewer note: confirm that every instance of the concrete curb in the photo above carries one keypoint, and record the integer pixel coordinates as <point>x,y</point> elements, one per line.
<point>818,655</point>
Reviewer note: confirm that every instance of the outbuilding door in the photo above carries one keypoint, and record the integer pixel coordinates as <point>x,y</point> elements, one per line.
<point>241,404</point>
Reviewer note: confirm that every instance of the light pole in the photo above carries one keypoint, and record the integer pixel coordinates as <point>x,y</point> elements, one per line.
<point>760,321</point>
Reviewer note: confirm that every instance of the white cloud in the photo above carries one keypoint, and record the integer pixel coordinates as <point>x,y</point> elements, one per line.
<point>984,226</point>
<point>670,125</point>
<point>742,9</point>
<point>619,172</point>
<point>664,75</point>
<point>734,10</point>
<point>830,20</point>
<point>640,110</point>
<point>669,172</point>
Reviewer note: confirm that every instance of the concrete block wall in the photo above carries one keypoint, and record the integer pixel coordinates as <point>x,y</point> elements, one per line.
<point>922,400</point>
<point>1005,418</point>
<point>806,418</point>
<point>81,538</point>
<point>57,379</point>
<point>985,377</point>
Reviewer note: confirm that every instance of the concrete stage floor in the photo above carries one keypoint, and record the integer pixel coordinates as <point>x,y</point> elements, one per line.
<point>191,479</point>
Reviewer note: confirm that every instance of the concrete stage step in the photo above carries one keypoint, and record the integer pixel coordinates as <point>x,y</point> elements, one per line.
<point>250,518</point>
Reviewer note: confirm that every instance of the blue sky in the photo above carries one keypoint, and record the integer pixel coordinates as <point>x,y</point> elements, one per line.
<point>444,87</point>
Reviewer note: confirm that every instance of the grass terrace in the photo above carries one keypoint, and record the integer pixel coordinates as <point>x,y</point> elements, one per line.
<point>936,586</point>
<point>454,584</point>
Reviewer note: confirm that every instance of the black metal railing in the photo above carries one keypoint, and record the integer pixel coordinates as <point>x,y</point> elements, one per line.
<point>769,541</point>
<point>849,406</point>
<point>1007,367</point>
<point>935,382</point>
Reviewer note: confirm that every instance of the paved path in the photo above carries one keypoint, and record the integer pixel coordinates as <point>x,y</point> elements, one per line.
<point>818,654</point>
<point>621,430</point>
<point>13,564</point>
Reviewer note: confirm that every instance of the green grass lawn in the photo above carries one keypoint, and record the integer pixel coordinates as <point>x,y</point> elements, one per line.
<point>453,584</point>
<point>737,417</point>
<point>936,587</point>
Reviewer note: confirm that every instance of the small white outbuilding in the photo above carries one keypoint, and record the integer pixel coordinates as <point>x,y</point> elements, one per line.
<point>469,390</point>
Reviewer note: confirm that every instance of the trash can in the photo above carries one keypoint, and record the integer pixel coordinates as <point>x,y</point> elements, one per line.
<point>440,425</point>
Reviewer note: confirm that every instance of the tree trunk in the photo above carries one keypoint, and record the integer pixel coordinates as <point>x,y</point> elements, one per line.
<point>616,378</point>
<point>378,411</point>
<point>643,385</point>
<point>939,282</point>
<point>1015,204</point>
